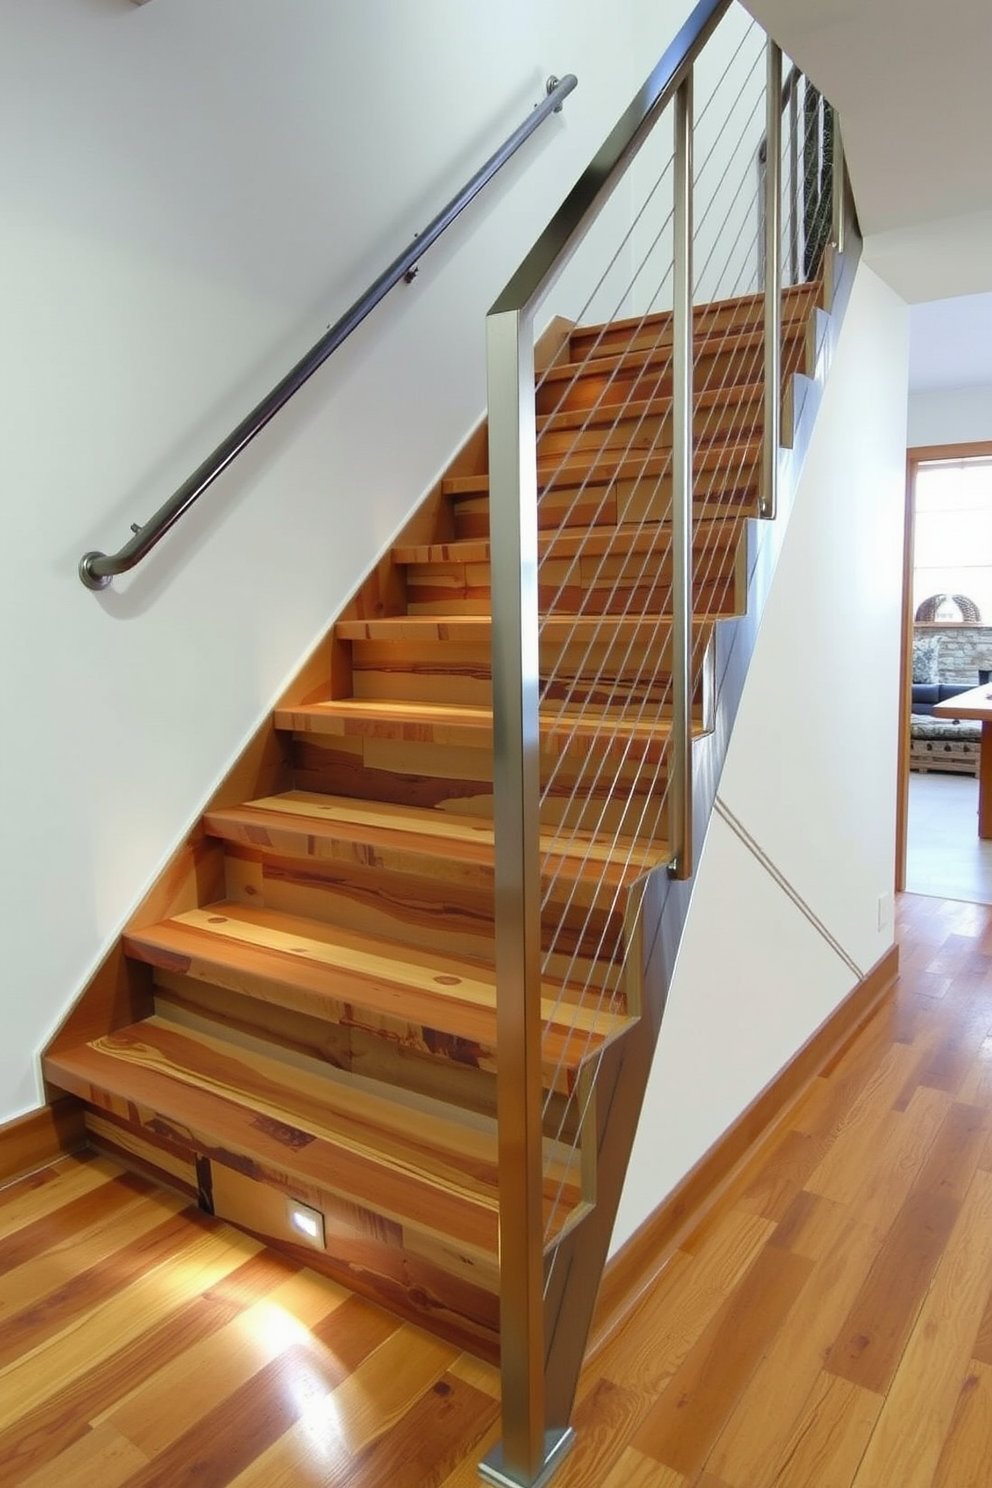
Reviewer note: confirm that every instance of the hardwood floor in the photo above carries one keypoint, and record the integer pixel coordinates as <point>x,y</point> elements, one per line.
<point>830,1326</point>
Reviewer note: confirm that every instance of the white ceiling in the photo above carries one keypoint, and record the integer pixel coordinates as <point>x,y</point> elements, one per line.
<point>950,344</point>
<point>911,79</point>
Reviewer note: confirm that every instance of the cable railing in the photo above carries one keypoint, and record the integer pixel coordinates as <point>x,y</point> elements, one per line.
<point>621,480</point>
<point>97,569</point>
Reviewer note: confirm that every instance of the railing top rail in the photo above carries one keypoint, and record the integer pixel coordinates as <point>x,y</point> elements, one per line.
<point>96,569</point>
<point>564,232</point>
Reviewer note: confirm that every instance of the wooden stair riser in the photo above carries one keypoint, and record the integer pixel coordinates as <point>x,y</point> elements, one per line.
<point>345,1046</point>
<point>425,1282</point>
<point>637,584</point>
<point>724,494</point>
<point>605,466</point>
<point>428,913</point>
<point>744,312</point>
<point>583,792</point>
<point>437,1006</point>
<point>470,727</point>
<point>585,787</point>
<point>647,427</point>
<point>614,671</point>
<point>731,361</point>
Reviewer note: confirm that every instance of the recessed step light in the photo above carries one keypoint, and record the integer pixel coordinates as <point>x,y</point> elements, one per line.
<point>306,1224</point>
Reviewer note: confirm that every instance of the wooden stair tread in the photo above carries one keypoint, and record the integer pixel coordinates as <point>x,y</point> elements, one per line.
<point>597,467</point>
<point>418,829</point>
<point>739,310</point>
<point>413,1161</point>
<point>452,723</point>
<point>331,973</point>
<point>641,537</point>
<point>636,409</point>
<point>722,340</point>
<point>556,628</point>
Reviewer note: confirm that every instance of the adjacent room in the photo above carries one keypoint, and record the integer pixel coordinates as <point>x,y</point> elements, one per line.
<point>950,493</point>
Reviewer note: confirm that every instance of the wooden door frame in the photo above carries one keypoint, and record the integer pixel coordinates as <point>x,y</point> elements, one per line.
<point>915,457</point>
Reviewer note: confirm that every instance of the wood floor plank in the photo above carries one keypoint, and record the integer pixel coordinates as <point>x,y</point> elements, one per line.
<point>784,1173</point>
<point>872,1337</point>
<point>71,1221</point>
<point>372,1401</point>
<point>966,1458</point>
<point>448,1423</point>
<point>671,1318</point>
<point>40,1194</point>
<point>856,1109</point>
<point>162,1407</point>
<point>198,1261</point>
<point>681,1429</point>
<point>604,1422</point>
<point>909,1437</point>
<point>982,1347</point>
<point>248,1419</point>
<point>773,1400</point>
<point>633,1470</point>
<point>48,1429</point>
<point>829,1438</point>
<point>478,1374</point>
<point>100,1457</point>
<point>445,1425</point>
<point>117,1254</point>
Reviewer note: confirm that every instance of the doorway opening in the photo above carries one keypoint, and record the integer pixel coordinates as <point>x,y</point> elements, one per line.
<point>947,651</point>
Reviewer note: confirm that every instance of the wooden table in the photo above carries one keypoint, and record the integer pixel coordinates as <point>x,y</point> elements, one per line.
<point>976,704</point>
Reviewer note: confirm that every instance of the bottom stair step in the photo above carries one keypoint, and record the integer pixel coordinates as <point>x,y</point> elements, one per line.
<point>421,1165</point>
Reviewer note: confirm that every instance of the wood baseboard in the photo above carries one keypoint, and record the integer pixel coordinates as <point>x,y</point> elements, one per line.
<point>40,1137</point>
<point>724,1171</point>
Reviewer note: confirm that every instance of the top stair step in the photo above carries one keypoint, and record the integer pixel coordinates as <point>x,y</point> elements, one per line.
<point>741,347</point>
<point>708,319</point>
<point>417,1162</point>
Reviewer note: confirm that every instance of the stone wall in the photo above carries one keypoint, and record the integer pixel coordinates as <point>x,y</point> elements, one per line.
<point>963,648</point>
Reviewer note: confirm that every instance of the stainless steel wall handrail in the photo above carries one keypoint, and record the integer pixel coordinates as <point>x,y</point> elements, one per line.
<point>96,569</point>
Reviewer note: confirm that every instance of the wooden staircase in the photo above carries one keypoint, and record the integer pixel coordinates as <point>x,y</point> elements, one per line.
<point>304,1008</point>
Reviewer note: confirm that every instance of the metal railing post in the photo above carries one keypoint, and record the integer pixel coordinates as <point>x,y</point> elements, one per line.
<point>838,186</point>
<point>680,826</point>
<point>794,188</point>
<point>528,1453</point>
<point>773,282</point>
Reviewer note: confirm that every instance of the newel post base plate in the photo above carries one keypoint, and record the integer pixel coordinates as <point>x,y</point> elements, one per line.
<point>557,1445</point>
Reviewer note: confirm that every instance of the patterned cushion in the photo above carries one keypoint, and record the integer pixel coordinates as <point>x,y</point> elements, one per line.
<point>926,658</point>
<point>965,730</point>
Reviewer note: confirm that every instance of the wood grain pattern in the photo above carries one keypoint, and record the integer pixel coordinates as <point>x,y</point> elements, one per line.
<point>279,1019</point>
<point>742,1155</point>
<point>708,320</point>
<point>720,1365</point>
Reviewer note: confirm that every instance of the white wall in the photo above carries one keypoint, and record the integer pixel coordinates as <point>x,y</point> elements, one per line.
<point>950,416</point>
<point>191,193</point>
<point>812,778</point>
<point>726,182</point>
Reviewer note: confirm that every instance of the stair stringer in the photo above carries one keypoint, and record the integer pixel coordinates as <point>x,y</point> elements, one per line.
<point>574,1271</point>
